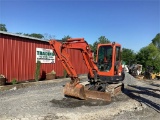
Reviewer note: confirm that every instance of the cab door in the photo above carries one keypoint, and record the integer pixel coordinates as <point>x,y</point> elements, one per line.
<point>105,59</point>
<point>117,66</point>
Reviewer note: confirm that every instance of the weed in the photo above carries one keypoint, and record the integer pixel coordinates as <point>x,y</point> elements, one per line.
<point>37,72</point>
<point>14,81</point>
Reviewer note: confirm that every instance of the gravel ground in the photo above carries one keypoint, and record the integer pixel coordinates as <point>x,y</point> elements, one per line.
<point>139,100</point>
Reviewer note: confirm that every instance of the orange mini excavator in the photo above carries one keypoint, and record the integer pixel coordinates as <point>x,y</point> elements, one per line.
<point>105,71</point>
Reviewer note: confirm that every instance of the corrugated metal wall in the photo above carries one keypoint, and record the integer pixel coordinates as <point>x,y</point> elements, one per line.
<point>18,58</point>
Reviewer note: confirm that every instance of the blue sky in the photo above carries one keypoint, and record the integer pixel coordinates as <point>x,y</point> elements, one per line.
<point>132,23</point>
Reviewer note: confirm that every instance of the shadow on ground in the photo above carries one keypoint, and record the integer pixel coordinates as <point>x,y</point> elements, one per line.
<point>136,91</point>
<point>69,102</point>
<point>157,85</point>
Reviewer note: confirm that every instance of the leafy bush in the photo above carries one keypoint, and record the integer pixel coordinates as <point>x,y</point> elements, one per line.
<point>37,72</point>
<point>65,73</point>
<point>14,81</point>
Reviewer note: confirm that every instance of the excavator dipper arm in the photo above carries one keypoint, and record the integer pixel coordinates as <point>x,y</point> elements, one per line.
<point>62,55</point>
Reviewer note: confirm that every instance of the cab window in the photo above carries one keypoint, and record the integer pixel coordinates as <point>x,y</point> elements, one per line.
<point>104,62</point>
<point>117,53</point>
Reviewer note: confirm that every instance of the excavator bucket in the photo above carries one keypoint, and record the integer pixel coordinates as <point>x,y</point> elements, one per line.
<point>79,91</point>
<point>76,91</point>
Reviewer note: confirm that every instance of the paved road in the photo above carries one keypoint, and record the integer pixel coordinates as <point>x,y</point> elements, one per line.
<point>46,102</point>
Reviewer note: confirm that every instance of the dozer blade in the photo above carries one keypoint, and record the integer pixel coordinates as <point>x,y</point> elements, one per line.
<point>76,91</point>
<point>106,96</point>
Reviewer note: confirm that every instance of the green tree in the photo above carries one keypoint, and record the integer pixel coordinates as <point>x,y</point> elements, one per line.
<point>101,40</point>
<point>36,35</point>
<point>48,36</point>
<point>20,33</point>
<point>156,41</point>
<point>94,46</point>
<point>128,56</point>
<point>44,36</point>
<point>149,56</point>
<point>3,27</point>
<point>65,38</point>
<point>91,46</point>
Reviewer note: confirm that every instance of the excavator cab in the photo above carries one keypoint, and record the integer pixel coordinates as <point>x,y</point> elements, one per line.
<point>109,68</point>
<point>108,61</point>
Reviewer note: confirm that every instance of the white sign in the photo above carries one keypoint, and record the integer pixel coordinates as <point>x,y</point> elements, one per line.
<point>45,55</point>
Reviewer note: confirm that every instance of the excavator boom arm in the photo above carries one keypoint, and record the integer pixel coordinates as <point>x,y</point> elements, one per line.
<point>60,49</point>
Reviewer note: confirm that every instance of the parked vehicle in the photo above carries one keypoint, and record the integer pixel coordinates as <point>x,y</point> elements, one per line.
<point>106,70</point>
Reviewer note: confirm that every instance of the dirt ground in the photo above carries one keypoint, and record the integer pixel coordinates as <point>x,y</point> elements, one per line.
<point>140,100</point>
